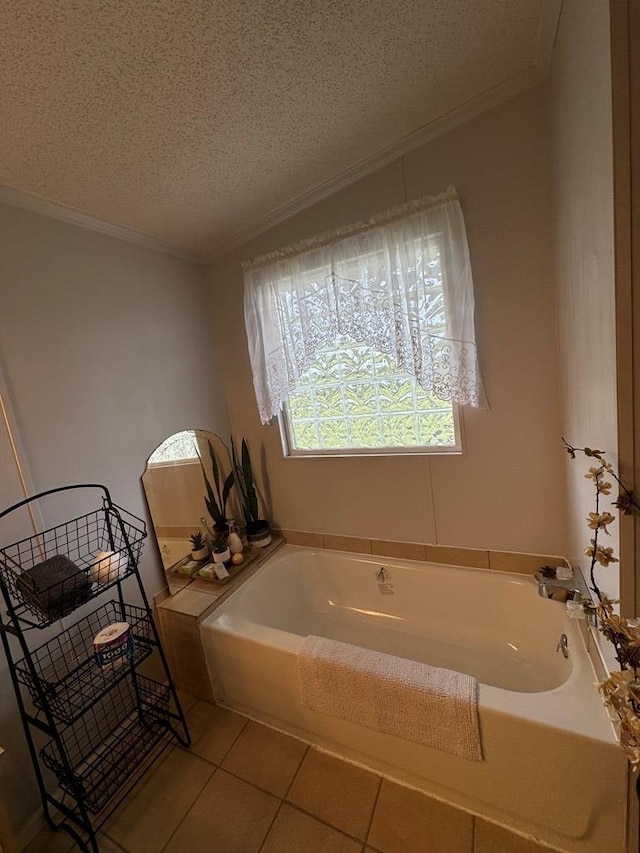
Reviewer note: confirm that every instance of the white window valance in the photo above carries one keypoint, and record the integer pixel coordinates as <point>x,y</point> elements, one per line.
<point>401,283</point>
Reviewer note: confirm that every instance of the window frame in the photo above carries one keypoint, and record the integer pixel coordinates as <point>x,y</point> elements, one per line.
<point>289,452</point>
<point>456,449</point>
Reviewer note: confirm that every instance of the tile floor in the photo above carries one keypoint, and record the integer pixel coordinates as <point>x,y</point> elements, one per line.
<point>244,788</point>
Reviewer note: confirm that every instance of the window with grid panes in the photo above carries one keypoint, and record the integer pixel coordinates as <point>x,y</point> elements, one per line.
<point>355,399</point>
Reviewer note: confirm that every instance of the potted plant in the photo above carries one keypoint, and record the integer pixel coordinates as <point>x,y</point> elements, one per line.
<point>258,529</point>
<point>199,550</point>
<point>217,494</point>
<point>221,551</point>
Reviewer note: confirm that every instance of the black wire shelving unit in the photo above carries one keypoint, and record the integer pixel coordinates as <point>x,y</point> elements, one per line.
<point>92,727</point>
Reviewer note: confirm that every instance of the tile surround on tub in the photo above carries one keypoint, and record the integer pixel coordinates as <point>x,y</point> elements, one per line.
<point>474,558</point>
<point>347,543</point>
<point>401,550</point>
<point>300,537</point>
<point>526,564</point>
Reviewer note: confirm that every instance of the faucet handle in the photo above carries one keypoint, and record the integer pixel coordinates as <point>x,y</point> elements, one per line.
<point>563,645</point>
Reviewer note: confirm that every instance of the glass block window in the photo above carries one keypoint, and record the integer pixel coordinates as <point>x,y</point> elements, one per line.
<point>354,399</point>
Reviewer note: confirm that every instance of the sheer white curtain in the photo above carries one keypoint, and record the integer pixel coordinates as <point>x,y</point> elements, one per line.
<point>400,283</point>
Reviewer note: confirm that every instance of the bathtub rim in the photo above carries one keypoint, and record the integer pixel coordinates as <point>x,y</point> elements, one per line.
<point>546,708</point>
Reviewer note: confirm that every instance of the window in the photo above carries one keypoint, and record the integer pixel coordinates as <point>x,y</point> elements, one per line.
<point>180,447</point>
<point>362,341</point>
<point>355,399</point>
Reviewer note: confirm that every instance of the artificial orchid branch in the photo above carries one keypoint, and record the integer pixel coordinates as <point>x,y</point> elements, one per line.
<point>621,691</point>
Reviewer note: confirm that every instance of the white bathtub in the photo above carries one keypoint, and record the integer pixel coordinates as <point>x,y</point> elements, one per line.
<point>552,767</point>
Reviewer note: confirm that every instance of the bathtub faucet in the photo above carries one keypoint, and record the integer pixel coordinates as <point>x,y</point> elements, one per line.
<point>563,590</point>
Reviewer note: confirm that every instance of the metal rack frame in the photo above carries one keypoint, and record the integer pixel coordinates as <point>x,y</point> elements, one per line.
<point>105,725</point>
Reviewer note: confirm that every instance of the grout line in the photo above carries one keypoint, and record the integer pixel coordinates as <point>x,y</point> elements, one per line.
<point>235,740</point>
<point>249,781</point>
<point>246,782</point>
<point>138,788</point>
<point>295,775</point>
<point>324,821</point>
<point>268,832</point>
<point>114,842</point>
<point>184,816</point>
<point>191,748</point>
<point>281,799</point>
<point>373,811</point>
<point>258,787</point>
<point>211,763</point>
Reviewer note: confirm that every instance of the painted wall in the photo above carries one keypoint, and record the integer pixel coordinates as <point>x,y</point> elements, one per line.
<point>17,787</point>
<point>106,348</point>
<point>505,491</point>
<point>583,196</point>
<point>107,351</point>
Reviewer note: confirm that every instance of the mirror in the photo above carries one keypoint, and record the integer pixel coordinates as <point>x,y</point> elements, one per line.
<point>177,495</point>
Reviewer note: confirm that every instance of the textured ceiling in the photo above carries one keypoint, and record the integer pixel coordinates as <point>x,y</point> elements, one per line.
<point>192,120</point>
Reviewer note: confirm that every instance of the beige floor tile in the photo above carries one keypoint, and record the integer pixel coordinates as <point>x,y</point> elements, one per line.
<point>213,730</point>
<point>295,832</point>
<point>265,757</point>
<point>187,700</point>
<point>229,815</point>
<point>48,841</point>
<point>108,846</point>
<point>147,819</point>
<point>337,792</point>
<point>406,821</point>
<point>491,838</point>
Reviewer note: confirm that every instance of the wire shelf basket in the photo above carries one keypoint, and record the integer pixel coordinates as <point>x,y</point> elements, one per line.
<point>64,675</point>
<point>52,573</point>
<point>97,766</point>
<point>104,722</point>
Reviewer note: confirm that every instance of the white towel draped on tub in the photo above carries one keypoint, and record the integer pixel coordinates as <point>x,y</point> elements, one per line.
<point>425,704</point>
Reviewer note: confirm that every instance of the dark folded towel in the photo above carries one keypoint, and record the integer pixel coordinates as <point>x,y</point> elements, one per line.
<point>54,587</point>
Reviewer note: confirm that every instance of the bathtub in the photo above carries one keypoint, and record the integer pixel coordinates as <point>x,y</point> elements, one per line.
<point>552,768</point>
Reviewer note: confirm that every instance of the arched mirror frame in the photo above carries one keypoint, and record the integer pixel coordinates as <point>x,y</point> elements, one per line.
<point>183,482</point>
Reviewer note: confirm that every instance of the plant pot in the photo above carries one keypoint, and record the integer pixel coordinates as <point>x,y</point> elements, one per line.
<point>221,530</point>
<point>202,554</point>
<point>221,556</point>
<point>259,533</point>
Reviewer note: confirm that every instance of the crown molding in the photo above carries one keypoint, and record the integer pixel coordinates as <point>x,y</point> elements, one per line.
<point>36,204</point>
<point>491,98</point>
